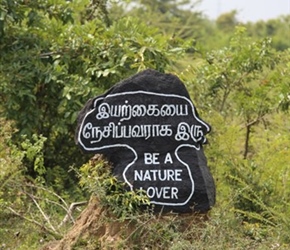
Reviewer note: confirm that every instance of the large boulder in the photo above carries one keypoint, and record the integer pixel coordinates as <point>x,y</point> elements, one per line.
<point>150,131</point>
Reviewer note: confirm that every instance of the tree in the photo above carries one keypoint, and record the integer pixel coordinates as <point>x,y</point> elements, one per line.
<point>177,19</point>
<point>277,29</point>
<point>227,21</point>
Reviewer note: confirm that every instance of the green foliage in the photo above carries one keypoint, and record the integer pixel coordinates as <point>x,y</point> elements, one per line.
<point>241,80</point>
<point>239,89</point>
<point>283,76</point>
<point>177,19</point>
<point>236,73</point>
<point>26,204</point>
<point>33,154</point>
<point>56,54</point>
<point>10,164</point>
<point>97,178</point>
<point>274,28</point>
<point>227,21</point>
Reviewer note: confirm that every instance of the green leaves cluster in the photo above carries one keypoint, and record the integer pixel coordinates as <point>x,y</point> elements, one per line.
<point>96,177</point>
<point>10,163</point>
<point>236,74</point>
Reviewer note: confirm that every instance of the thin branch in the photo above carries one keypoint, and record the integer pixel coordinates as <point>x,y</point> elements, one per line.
<point>69,212</point>
<point>228,87</point>
<point>65,208</point>
<point>49,54</point>
<point>248,133</point>
<point>249,124</point>
<point>226,92</point>
<point>42,212</point>
<point>247,140</point>
<point>68,209</point>
<point>55,234</point>
<point>51,192</point>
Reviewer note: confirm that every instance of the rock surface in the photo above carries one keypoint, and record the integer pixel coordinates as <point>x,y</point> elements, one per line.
<point>150,131</point>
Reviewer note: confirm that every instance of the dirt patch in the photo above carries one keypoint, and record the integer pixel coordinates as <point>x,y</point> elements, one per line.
<point>96,228</point>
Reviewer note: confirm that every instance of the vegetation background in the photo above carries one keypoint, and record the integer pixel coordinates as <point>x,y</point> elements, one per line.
<point>56,54</point>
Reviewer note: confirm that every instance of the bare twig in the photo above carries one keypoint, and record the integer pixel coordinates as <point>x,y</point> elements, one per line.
<point>51,192</point>
<point>55,234</point>
<point>248,132</point>
<point>42,212</point>
<point>68,209</point>
<point>69,212</point>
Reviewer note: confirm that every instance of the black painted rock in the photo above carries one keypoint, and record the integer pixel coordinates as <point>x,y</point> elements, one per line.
<point>149,129</point>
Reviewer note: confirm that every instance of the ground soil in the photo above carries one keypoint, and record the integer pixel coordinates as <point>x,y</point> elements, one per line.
<point>96,228</point>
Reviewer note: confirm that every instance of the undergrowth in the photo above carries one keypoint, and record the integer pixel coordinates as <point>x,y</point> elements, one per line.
<point>223,228</point>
